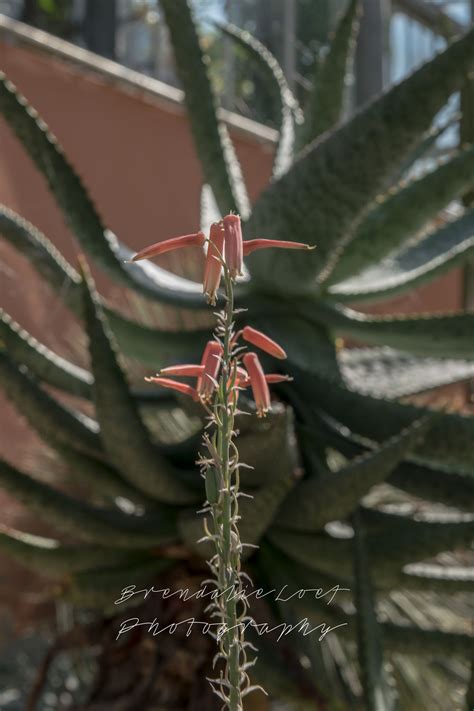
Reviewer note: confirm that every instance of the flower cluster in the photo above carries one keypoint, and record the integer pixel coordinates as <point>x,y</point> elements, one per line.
<point>226,250</point>
<point>249,375</point>
<point>225,246</point>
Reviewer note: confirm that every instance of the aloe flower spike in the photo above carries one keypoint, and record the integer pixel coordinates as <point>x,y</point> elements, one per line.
<point>196,239</point>
<point>184,370</point>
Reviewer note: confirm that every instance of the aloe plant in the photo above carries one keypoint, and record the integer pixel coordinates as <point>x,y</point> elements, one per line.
<point>344,460</point>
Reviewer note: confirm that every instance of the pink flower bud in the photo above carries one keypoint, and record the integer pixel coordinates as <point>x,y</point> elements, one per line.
<point>251,245</point>
<point>211,361</point>
<point>174,385</point>
<point>184,370</point>
<point>259,339</point>
<point>213,266</point>
<point>233,245</point>
<point>260,390</point>
<point>196,239</point>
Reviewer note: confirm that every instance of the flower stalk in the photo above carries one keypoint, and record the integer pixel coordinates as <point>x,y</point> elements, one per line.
<point>226,368</point>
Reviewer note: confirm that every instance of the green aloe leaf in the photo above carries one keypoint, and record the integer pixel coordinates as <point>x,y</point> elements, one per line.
<point>48,556</point>
<point>402,214</point>
<point>378,694</point>
<point>402,538</point>
<point>55,423</point>
<point>325,103</point>
<point>80,212</point>
<point>213,145</point>
<point>447,443</point>
<point>326,191</point>
<point>422,150</point>
<point>88,523</point>
<point>99,477</point>
<point>441,336</point>
<point>385,372</point>
<point>42,362</point>
<point>433,255</point>
<point>102,588</point>
<point>152,346</point>
<point>271,70</point>
<point>404,638</point>
<point>319,500</point>
<point>430,483</point>
<point>123,433</point>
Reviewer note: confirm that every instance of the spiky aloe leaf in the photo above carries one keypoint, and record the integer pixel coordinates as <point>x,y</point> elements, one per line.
<point>213,145</point>
<point>137,341</point>
<point>448,336</point>
<point>422,150</point>
<point>385,372</point>
<point>88,523</point>
<point>99,477</point>
<point>319,500</point>
<point>447,442</point>
<point>377,692</point>
<point>41,361</point>
<point>430,483</point>
<point>413,266</point>
<point>80,212</point>
<point>402,214</point>
<point>326,191</point>
<point>326,99</point>
<point>52,558</point>
<point>55,423</point>
<point>404,638</point>
<point>403,538</point>
<point>102,588</point>
<point>290,110</point>
<point>123,433</point>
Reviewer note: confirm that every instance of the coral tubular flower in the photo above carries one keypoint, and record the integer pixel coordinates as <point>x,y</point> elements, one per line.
<point>259,339</point>
<point>273,378</point>
<point>251,245</point>
<point>233,245</point>
<point>211,361</point>
<point>174,385</point>
<point>213,267</point>
<point>259,385</point>
<point>196,239</point>
<point>184,370</point>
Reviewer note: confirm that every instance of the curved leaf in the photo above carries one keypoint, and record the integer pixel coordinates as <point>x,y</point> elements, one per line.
<point>42,362</point>
<point>319,500</point>
<point>377,692</point>
<point>80,213</point>
<point>435,254</point>
<point>213,145</point>
<point>101,526</point>
<point>101,588</point>
<point>447,443</point>
<point>136,341</point>
<point>402,214</point>
<point>326,191</point>
<point>50,557</point>
<point>439,335</point>
<point>326,99</point>
<point>290,110</point>
<point>55,423</point>
<point>385,372</point>
<point>123,432</point>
